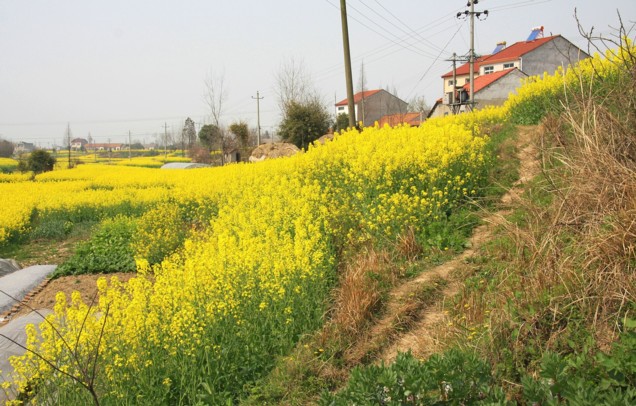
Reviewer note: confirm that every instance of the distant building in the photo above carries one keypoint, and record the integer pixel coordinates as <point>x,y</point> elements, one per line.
<point>371,105</point>
<point>104,147</point>
<point>534,56</point>
<point>231,156</point>
<point>24,147</point>
<point>78,144</point>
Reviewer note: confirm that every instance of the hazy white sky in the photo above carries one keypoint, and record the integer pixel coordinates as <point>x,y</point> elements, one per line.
<point>109,67</point>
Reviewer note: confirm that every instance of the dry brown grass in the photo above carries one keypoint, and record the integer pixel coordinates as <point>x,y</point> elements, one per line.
<point>359,292</point>
<point>570,263</point>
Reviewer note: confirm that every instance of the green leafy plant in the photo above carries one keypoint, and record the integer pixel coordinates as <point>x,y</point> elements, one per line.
<point>455,377</point>
<point>108,250</point>
<point>583,379</point>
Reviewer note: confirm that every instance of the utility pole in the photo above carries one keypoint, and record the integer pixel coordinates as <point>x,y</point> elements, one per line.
<point>129,147</point>
<point>165,142</point>
<point>454,102</point>
<point>68,139</point>
<point>347,57</point>
<point>471,56</point>
<point>258,116</point>
<point>471,60</point>
<point>362,89</point>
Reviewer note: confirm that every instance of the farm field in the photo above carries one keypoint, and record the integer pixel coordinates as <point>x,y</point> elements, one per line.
<point>255,250</point>
<point>237,265</point>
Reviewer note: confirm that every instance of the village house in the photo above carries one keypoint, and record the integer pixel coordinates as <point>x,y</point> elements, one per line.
<point>371,105</point>
<point>78,144</point>
<point>24,147</point>
<point>509,64</point>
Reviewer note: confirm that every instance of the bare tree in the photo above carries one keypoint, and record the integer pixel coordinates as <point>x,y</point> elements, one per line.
<point>215,97</point>
<point>418,104</point>
<point>293,84</point>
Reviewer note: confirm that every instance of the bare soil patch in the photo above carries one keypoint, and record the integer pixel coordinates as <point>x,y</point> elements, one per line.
<point>86,285</point>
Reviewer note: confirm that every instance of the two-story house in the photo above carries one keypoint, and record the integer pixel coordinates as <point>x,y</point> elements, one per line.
<point>78,144</point>
<point>534,56</point>
<point>371,105</point>
<point>24,147</point>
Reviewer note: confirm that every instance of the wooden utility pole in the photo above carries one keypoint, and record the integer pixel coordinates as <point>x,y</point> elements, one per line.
<point>347,57</point>
<point>258,116</point>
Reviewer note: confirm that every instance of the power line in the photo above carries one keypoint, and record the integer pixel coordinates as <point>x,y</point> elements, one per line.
<point>410,33</point>
<point>411,30</point>
<point>433,63</point>
<point>408,47</point>
<point>389,48</point>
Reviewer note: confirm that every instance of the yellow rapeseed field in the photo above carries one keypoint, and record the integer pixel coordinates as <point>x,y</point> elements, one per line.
<point>251,281</point>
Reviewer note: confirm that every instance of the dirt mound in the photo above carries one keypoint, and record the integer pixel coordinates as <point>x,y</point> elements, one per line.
<point>325,138</point>
<point>270,151</point>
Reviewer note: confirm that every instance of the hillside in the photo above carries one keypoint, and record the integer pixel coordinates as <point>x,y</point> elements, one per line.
<point>467,260</point>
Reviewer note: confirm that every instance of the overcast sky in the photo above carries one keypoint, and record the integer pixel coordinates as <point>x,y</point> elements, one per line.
<point>109,67</point>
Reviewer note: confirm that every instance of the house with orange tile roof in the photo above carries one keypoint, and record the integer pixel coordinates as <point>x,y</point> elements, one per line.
<point>490,90</point>
<point>535,56</point>
<point>371,105</point>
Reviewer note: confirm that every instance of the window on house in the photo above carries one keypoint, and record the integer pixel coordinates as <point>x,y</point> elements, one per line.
<point>488,69</point>
<point>467,80</point>
<point>451,83</point>
<point>341,108</point>
<point>508,65</point>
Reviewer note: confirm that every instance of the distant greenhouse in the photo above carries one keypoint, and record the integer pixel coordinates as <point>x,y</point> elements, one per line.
<point>184,165</point>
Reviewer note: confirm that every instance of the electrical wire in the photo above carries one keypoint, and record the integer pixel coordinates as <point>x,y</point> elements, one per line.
<point>431,44</point>
<point>433,63</point>
<point>408,46</point>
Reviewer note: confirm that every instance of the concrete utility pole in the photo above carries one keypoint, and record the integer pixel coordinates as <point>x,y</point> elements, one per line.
<point>471,56</point>
<point>471,60</point>
<point>454,102</point>
<point>258,99</point>
<point>347,57</point>
<point>129,147</point>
